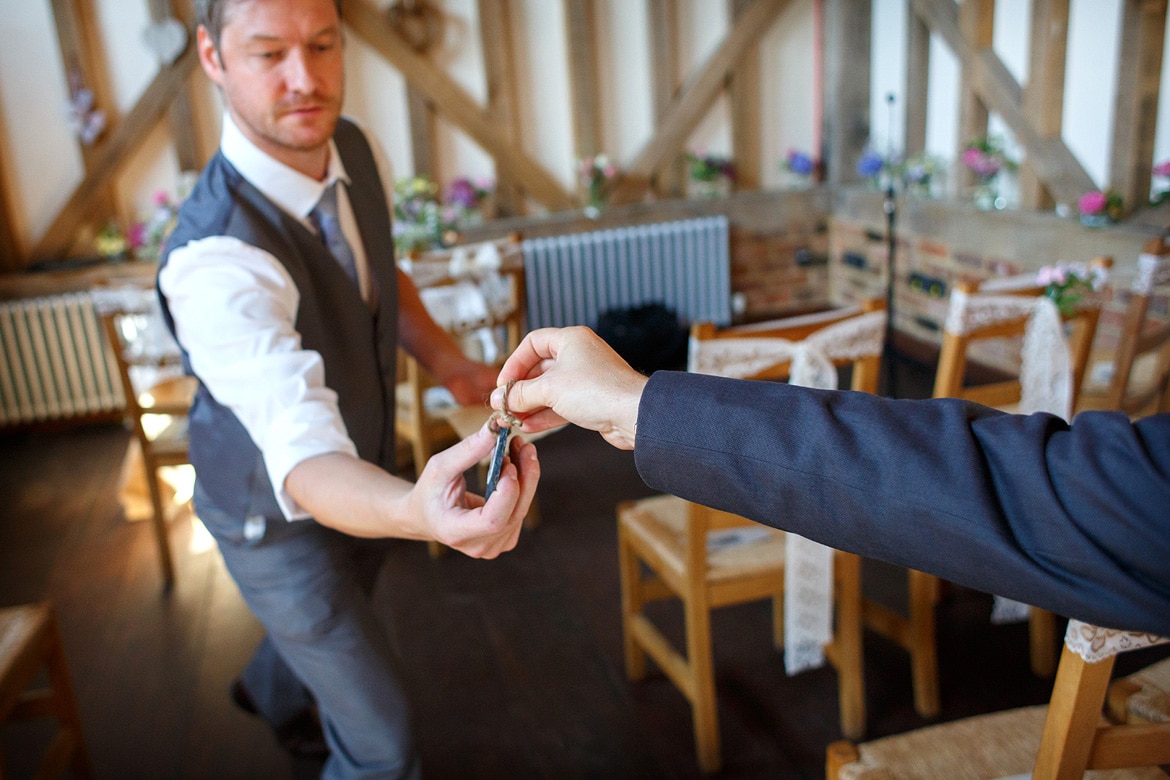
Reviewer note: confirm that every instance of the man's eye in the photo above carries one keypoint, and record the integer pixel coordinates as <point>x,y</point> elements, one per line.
<point>271,54</point>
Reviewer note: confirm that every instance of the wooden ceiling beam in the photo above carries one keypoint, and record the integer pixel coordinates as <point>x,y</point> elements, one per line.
<point>368,22</point>
<point>119,145</point>
<point>1139,82</point>
<point>181,113</point>
<point>1054,164</point>
<point>845,120</point>
<point>1044,92</point>
<point>695,98</point>
<point>745,112</point>
<point>499,65</point>
<point>665,69</point>
<point>584,90</point>
<point>917,84</point>
<point>84,69</point>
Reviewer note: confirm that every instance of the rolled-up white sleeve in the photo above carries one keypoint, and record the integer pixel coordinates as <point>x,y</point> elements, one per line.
<point>235,310</point>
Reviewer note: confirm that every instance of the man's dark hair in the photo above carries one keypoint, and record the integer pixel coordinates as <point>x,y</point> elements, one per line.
<point>210,14</point>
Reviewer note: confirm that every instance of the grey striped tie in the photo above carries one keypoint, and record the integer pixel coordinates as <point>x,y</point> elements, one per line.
<point>324,216</point>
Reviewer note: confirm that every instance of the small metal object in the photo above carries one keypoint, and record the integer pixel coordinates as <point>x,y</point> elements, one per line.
<point>496,465</point>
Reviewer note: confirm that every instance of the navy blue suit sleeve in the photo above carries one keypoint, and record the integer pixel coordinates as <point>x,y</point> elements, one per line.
<point>1074,519</point>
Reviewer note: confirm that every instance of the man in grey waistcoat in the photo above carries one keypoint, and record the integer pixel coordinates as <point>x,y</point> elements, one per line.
<point>280,286</point>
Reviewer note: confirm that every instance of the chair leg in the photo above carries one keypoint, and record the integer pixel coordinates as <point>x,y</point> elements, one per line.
<point>65,704</point>
<point>701,668</point>
<point>1042,642</point>
<point>847,637</point>
<point>630,575</point>
<point>161,531</point>
<point>923,643</point>
<point>778,618</point>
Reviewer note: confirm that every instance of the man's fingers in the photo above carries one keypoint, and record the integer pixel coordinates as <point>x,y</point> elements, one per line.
<point>463,455</point>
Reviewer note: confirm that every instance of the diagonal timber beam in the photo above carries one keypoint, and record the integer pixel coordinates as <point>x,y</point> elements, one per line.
<point>121,143</point>
<point>695,98</point>
<point>451,100</point>
<point>1050,158</point>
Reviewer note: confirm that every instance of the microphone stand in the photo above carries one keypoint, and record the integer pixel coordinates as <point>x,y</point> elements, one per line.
<point>890,207</point>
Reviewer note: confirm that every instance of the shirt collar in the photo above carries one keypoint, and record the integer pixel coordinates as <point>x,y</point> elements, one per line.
<point>289,189</point>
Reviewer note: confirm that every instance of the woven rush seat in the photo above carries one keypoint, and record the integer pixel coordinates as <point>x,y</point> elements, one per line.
<point>661,522</point>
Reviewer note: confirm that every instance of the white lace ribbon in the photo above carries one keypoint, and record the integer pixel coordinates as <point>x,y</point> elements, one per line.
<point>808,568</point>
<point>1045,372</point>
<point>1152,271</point>
<point>1096,644</point>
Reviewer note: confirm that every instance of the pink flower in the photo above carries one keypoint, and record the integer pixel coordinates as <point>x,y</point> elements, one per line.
<point>136,235</point>
<point>1092,202</point>
<point>982,164</point>
<point>1162,168</point>
<point>161,198</point>
<point>1052,274</point>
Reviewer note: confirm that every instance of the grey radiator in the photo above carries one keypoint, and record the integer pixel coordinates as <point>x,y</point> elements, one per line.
<point>53,361</point>
<point>683,264</point>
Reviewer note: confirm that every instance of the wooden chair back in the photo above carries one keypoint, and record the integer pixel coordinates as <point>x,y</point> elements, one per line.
<point>1144,345</point>
<point>950,377</point>
<point>950,382</point>
<point>1074,738</point>
<point>157,400</point>
<point>671,548</point>
<point>30,644</point>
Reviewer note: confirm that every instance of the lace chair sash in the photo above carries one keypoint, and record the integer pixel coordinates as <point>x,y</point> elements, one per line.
<point>1152,271</point>
<point>1045,369</point>
<point>1095,644</point>
<point>808,569</point>
<point>1045,365</point>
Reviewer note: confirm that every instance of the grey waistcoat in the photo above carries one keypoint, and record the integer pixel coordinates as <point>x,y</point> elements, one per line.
<point>357,341</point>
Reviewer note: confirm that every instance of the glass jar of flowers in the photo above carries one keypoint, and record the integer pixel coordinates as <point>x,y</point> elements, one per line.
<point>1099,208</point>
<point>798,169</point>
<point>420,221</point>
<point>986,159</point>
<point>711,175</point>
<point>593,174</point>
<point>471,200</point>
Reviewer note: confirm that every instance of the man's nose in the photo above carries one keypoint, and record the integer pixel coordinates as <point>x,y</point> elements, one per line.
<point>299,73</point>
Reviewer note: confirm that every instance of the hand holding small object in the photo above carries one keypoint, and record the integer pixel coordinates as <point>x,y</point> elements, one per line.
<point>570,375</point>
<point>496,465</point>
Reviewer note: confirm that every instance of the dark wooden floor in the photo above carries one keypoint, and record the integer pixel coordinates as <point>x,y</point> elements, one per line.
<point>514,666</point>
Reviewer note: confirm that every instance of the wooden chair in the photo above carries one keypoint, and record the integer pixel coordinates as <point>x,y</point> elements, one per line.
<point>950,382</point>
<point>488,330</point>
<point>1139,377</point>
<point>1141,697</point>
<point>29,644</point>
<point>1055,742</point>
<point>157,403</point>
<point>673,540</point>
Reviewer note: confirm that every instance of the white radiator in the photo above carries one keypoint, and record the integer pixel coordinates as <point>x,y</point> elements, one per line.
<point>684,265</point>
<point>53,361</point>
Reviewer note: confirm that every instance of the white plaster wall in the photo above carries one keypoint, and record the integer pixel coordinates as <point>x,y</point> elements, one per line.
<point>44,165</point>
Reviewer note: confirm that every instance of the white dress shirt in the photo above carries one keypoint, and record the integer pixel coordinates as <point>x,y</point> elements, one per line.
<point>235,309</point>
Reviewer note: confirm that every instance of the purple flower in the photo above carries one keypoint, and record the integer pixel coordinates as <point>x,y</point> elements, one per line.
<point>870,164</point>
<point>1162,168</point>
<point>800,163</point>
<point>462,192</point>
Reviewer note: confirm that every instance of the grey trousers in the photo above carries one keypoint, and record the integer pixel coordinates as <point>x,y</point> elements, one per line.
<point>310,588</point>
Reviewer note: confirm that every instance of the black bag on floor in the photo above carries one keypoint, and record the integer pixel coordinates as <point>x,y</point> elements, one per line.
<point>650,337</point>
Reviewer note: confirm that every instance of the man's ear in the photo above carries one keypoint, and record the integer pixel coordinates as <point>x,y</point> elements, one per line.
<point>209,55</point>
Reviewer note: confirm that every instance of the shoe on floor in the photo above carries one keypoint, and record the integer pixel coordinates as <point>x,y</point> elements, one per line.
<point>301,737</point>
